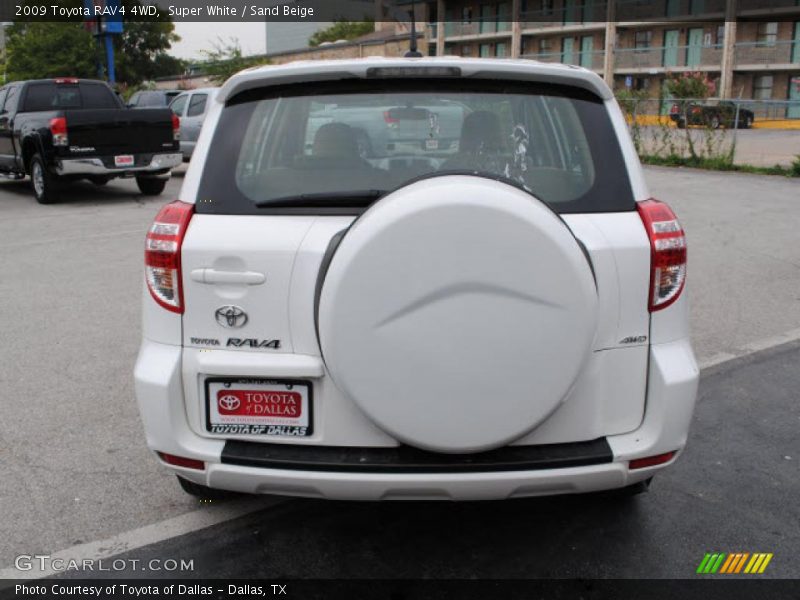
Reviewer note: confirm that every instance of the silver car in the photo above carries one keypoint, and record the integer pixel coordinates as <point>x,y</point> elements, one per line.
<point>191,107</point>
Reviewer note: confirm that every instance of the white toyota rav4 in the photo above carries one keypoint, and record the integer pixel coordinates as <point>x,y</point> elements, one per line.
<point>415,279</point>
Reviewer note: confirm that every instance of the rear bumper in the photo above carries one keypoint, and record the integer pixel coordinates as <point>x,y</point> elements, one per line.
<point>159,163</point>
<point>672,389</point>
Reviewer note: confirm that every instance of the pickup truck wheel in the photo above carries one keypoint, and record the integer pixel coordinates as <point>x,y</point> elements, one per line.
<point>43,183</point>
<point>150,186</point>
<point>203,492</point>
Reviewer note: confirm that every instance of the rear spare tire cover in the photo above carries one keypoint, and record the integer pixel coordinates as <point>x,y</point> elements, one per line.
<point>457,313</point>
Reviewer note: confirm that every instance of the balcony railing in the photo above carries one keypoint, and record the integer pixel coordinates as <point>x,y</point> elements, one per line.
<point>760,5</point>
<point>592,59</point>
<point>667,57</point>
<point>766,53</point>
<point>476,27</point>
<point>650,10</point>
<point>589,11</point>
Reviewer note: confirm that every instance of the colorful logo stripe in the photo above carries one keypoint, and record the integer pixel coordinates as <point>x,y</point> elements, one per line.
<point>734,563</point>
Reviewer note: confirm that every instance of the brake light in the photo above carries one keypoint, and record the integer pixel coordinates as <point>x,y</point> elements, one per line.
<point>162,254</point>
<point>182,461</point>
<point>667,253</point>
<point>58,127</point>
<point>650,461</point>
<point>389,119</point>
<point>67,80</point>
<point>176,127</point>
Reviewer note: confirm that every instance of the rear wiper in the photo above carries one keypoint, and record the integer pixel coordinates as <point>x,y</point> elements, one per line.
<point>323,199</point>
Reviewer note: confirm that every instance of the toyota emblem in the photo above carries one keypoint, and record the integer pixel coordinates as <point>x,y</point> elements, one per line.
<point>231,316</point>
<point>228,402</point>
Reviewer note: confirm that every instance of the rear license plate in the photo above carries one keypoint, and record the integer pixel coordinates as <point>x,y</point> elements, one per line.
<point>246,406</point>
<point>124,160</point>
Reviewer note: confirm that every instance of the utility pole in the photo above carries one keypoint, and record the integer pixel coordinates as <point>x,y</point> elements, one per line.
<point>104,24</point>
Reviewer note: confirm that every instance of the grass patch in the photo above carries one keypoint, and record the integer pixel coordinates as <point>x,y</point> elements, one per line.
<point>720,164</point>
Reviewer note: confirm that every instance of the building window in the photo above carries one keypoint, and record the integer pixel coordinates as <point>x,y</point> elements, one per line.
<point>466,15</point>
<point>767,33</point>
<point>466,50</point>
<point>762,87</point>
<point>720,35</point>
<point>547,7</point>
<point>485,50</point>
<point>544,46</point>
<point>642,40</point>
<point>500,50</point>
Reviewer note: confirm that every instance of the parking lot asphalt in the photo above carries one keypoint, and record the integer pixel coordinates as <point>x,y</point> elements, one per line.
<point>72,453</point>
<point>734,489</point>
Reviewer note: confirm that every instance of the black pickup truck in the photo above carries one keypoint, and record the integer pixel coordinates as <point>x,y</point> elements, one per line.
<point>61,130</point>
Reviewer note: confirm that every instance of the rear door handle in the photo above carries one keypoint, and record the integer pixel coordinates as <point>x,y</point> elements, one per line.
<point>208,275</point>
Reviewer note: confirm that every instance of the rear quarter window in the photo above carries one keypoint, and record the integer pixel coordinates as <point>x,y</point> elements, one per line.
<point>556,142</point>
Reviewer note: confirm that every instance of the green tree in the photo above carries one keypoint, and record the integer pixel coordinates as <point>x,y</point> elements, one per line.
<point>684,88</point>
<point>41,50</point>
<point>341,30</point>
<point>141,49</point>
<point>226,59</point>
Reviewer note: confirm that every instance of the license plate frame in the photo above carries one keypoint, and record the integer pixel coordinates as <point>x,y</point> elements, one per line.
<point>259,426</point>
<point>124,160</point>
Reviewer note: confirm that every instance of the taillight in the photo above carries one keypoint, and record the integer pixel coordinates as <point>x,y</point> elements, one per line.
<point>389,119</point>
<point>58,127</point>
<point>176,127</point>
<point>67,80</point>
<point>162,254</point>
<point>667,253</point>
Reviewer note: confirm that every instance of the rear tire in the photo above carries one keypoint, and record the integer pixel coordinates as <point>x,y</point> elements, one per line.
<point>150,186</point>
<point>203,492</point>
<point>43,183</point>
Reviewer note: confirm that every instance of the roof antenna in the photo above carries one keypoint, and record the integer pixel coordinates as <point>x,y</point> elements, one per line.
<point>413,52</point>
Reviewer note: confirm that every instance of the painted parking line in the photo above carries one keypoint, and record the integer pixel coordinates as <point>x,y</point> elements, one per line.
<point>149,534</point>
<point>751,348</point>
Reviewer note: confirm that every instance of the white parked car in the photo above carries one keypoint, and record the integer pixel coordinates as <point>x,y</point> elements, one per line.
<point>499,319</point>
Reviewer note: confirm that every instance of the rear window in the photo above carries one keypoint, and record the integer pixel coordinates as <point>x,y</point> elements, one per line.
<point>291,146</point>
<point>61,96</point>
<point>153,99</point>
